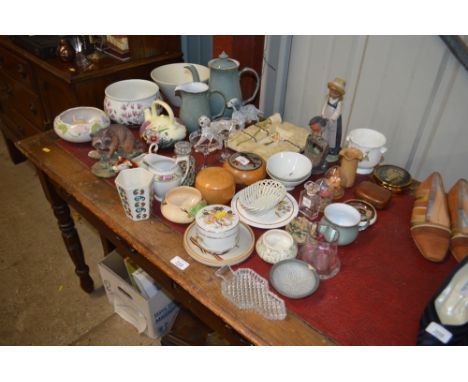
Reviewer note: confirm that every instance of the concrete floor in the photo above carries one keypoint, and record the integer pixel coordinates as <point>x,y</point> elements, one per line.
<point>41,302</point>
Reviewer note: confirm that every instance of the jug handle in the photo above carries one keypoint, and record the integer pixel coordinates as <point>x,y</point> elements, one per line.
<point>165,107</point>
<point>187,161</point>
<point>257,85</point>
<point>193,70</point>
<point>224,104</point>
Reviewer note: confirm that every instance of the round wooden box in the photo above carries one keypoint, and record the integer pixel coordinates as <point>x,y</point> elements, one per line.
<point>216,185</point>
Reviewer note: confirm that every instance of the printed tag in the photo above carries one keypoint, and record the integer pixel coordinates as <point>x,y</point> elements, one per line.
<point>306,202</point>
<point>179,263</point>
<point>242,160</point>
<point>439,332</point>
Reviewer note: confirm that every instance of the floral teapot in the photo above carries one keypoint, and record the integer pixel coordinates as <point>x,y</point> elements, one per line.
<point>159,130</point>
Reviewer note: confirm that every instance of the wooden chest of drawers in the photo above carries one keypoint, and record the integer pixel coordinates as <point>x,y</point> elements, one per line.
<point>33,91</point>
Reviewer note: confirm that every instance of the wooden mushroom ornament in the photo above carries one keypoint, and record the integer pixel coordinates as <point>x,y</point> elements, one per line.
<point>349,162</point>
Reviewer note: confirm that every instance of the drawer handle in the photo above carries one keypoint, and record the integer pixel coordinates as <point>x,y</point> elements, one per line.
<point>33,108</point>
<point>21,70</point>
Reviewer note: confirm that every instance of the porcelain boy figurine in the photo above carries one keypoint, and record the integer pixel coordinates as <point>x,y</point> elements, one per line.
<point>331,111</point>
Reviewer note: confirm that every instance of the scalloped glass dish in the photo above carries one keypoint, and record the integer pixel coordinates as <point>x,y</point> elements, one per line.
<point>249,291</point>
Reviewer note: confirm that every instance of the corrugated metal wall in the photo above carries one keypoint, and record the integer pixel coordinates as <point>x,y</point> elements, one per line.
<point>410,88</point>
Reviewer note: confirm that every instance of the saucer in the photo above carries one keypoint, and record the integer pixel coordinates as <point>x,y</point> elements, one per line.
<point>235,256</point>
<point>294,278</point>
<point>277,217</point>
<point>366,210</point>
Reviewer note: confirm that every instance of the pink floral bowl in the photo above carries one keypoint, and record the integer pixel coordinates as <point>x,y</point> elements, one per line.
<point>126,100</point>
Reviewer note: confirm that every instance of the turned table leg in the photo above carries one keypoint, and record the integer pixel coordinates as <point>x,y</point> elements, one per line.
<point>69,233</point>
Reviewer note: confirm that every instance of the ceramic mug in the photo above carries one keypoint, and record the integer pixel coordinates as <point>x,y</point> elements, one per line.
<point>345,219</point>
<point>372,145</point>
<point>166,171</point>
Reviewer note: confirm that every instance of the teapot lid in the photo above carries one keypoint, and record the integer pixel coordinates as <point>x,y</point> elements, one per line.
<point>223,62</point>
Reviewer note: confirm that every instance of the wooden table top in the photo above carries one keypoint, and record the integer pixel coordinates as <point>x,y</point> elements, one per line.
<point>100,197</point>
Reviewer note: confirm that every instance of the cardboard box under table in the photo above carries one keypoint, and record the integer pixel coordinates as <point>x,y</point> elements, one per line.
<point>153,317</point>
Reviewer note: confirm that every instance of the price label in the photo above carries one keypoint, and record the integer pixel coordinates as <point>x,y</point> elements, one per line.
<point>243,160</point>
<point>439,332</point>
<point>179,263</point>
<point>306,202</point>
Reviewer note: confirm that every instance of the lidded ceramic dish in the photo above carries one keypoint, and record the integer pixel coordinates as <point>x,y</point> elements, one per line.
<point>246,168</point>
<point>393,178</point>
<point>217,228</point>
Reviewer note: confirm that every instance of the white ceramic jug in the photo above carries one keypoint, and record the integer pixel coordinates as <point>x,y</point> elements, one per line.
<point>167,173</point>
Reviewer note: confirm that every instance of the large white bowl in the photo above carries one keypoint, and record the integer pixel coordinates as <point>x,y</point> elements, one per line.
<point>77,124</point>
<point>289,166</point>
<point>126,100</point>
<point>168,77</point>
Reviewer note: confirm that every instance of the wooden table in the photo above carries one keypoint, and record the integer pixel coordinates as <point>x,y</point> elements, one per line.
<point>151,244</point>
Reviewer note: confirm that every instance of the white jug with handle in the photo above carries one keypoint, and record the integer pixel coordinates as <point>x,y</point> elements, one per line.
<point>167,173</point>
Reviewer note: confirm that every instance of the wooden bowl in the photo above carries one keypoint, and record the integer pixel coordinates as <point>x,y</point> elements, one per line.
<point>246,168</point>
<point>216,185</point>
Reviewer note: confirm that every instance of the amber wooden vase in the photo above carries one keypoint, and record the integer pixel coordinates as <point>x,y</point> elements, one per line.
<point>350,156</point>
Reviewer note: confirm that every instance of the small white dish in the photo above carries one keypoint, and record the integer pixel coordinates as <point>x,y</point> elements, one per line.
<point>289,185</point>
<point>289,166</point>
<point>294,278</point>
<point>236,255</point>
<point>278,217</point>
<point>276,245</point>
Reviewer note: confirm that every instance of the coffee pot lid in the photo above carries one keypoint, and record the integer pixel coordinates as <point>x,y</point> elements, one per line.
<point>223,62</point>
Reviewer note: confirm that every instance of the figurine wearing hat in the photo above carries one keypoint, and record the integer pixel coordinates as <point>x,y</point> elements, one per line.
<point>331,111</point>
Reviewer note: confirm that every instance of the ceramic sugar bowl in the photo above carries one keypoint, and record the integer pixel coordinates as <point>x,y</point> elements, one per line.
<point>217,228</point>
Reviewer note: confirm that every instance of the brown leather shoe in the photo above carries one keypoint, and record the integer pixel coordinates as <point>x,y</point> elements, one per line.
<point>458,206</point>
<point>430,221</point>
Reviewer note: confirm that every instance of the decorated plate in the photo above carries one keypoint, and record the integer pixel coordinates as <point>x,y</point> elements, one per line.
<point>235,256</point>
<point>282,214</point>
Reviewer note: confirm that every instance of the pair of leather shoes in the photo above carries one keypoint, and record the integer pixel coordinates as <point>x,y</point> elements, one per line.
<point>439,222</point>
<point>458,207</point>
<point>430,220</point>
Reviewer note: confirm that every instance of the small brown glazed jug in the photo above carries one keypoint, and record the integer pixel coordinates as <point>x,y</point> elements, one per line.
<point>349,162</point>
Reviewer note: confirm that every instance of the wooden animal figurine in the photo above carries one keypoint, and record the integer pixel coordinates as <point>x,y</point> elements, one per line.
<point>114,138</point>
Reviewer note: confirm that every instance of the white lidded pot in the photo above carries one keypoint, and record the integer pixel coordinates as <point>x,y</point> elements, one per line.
<point>217,228</point>
<point>371,143</point>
